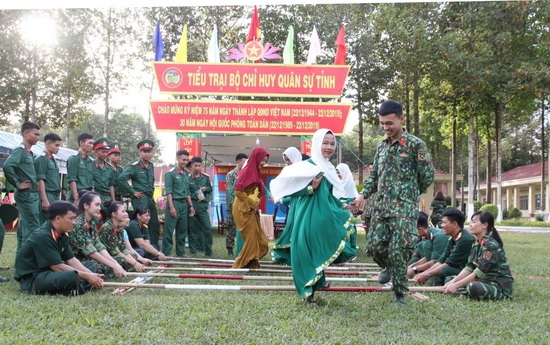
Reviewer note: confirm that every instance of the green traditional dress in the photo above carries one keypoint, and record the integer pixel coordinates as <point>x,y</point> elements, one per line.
<point>318,237</point>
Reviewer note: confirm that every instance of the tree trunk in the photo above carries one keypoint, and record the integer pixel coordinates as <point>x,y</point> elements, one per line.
<point>488,198</point>
<point>471,142</point>
<point>498,117</point>
<point>416,110</point>
<point>542,155</point>
<point>452,188</point>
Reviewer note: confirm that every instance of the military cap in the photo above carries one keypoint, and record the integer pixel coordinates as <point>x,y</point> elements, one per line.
<point>114,147</point>
<point>101,143</point>
<point>145,145</point>
<point>391,107</point>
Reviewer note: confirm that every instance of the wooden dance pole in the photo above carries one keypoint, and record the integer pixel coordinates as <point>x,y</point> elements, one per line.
<point>261,270</point>
<point>270,287</point>
<point>213,264</point>
<point>240,277</point>
<point>265,262</point>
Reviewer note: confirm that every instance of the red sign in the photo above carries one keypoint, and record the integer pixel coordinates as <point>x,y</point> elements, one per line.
<point>305,146</point>
<point>297,118</point>
<point>251,79</point>
<point>191,145</point>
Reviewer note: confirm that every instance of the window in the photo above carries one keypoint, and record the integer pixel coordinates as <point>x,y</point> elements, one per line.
<point>523,202</point>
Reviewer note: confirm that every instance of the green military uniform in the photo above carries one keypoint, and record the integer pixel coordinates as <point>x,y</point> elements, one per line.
<point>114,147</point>
<point>113,238</point>
<point>432,246</point>
<point>136,230</point>
<point>48,171</point>
<point>230,181</point>
<point>45,248</point>
<point>437,207</point>
<point>143,180</point>
<point>176,182</point>
<point>455,255</point>
<point>493,276</point>
<point>104,176</point>
<point>200,236</point>
<point>18,168</point>
<point>80,170</point>
<point>402,170</point>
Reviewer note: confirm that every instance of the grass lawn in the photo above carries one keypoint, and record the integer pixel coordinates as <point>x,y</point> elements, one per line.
<point>152,316</point>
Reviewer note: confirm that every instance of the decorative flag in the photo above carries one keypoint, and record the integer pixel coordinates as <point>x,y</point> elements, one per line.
<point>181,53</point>
<point>254,31</point>
<point>314,47</point>
<point>288,52</point>
<point>213,50</point>
<point>159,46</point>
<point>340,58</point>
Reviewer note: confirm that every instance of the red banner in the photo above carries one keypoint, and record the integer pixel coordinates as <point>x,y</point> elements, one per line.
<point>191,145</point>
<point>251,79</point>
<point>296,118</point>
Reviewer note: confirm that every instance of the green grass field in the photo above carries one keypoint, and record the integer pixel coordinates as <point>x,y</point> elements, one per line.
<point>154,316</point>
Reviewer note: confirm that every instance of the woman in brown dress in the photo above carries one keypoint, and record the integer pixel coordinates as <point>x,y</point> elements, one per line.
<point>248,191</point>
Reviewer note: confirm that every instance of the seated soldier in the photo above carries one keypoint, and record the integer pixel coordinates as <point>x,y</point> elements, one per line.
<point>429,249</point>
<point>45,264</point>
<point>487,275</point>
<point>138,234</point>
<point>456,252</point>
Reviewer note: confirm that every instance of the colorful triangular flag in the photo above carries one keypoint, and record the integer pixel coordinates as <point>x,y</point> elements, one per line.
<point>314,47</point>
<point>340,58</point>
<point>181,53</point>
<point>159,46</point>
<point>288,52</point>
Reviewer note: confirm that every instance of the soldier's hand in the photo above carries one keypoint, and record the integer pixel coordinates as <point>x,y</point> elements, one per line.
<point>161,257</point>
<point>191,211</point>
<point>119,271</point>
<point>203,189</point>
<point>45,205</point>
<point>410,273</point>
<point>95,280</point>
<point>358,203</point>
<point>139,267</point>
<point>420,278</point>
<point>173,212</point>
<point>139,195</point>
<point>450,288</point>
<point>25,185</point>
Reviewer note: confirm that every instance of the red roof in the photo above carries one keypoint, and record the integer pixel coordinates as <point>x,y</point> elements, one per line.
<point>522,172</point>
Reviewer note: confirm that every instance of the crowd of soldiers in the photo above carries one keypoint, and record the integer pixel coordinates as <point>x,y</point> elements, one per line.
<point>101,241</point>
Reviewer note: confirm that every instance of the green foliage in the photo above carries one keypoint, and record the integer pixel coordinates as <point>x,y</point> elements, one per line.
<point>477,205</point>
<point>514,213</point>
<point>505,214</point>
<point>359,187</point>
<point>539,218</point>
<point>492,209</point>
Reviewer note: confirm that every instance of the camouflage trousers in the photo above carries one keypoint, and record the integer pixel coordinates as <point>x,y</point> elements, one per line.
<point>489,290</point>
<point>231,228</point>
<point>391,242</point>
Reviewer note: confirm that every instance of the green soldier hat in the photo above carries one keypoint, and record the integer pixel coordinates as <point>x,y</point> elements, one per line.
<point>114,147</point>
<point>101,143</point>
<point>145,145</point>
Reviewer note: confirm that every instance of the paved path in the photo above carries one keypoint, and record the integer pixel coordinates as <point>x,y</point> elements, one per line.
<point>523,229</point>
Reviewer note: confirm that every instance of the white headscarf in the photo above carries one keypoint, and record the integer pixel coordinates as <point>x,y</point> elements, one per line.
<point>293,154</point>
<point>297,176</point>
<point>350,191</point>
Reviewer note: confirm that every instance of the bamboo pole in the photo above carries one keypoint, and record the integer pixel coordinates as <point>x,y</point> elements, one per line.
<point>270,287</point>
<point>264,262</point>
<point>209,264</point>
<point>240,277</point>
<point>261,270</point>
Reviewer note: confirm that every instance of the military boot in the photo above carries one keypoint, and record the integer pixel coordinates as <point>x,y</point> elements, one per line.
<point>384,276</point>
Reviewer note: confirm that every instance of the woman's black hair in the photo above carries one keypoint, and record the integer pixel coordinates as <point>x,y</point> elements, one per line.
<point>140,210</point>
<point>487,217</point>
<point>439,196</point>
<point>113,207</point>
<point>86,198</point>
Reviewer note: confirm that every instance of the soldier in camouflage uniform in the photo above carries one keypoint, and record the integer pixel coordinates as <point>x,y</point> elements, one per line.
<point>142,175</point>
<point>114,162</point>
<point>47,174</point>
<point>79,168</point>
<point>402,170</point>
<point>104,177</point>
<point>85,240</point>
<point>20,172</point>
<point>112,235</point>
<point>230,181</point>
<point>487,275</point>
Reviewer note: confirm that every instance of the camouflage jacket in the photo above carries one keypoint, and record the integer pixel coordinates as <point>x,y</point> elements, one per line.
<point>230,182</point>
<point>488,260</point>
<point>113,237</point>
<point>402,170</point>
<point>84,237</point>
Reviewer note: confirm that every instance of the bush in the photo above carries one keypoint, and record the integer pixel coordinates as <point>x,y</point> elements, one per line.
<point>505,214</point>
<point>540,218</point>
<point>492,209</point>
<point>477,205</point>
<point>514,213</point>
